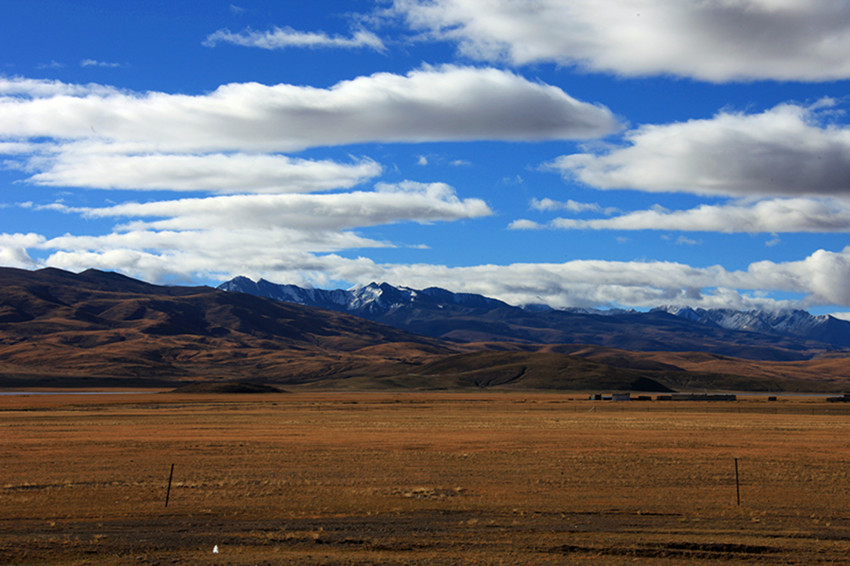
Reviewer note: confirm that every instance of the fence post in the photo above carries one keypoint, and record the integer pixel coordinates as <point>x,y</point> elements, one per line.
<point>168,492</point>
<point>737,484</point>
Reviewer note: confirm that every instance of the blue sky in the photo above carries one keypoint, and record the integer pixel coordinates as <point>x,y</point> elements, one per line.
<point>594,153</point>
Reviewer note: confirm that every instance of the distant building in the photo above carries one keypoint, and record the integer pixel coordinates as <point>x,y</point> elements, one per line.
<point>698,397</point>
<point>612,397</point>
<point>843,399</point>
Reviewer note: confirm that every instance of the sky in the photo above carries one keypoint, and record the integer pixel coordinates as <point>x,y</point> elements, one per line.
<point>575,153</point>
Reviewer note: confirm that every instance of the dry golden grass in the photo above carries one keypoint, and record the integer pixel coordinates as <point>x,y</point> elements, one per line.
<point>324,478</point>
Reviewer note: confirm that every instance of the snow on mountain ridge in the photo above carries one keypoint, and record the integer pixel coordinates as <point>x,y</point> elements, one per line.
<point>373,297</point>
<point>375,300</point>
<point>465,316</point>
<point>388,297</point>
<point>797,322</point>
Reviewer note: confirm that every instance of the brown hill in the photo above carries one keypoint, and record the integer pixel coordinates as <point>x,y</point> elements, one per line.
<point>59,329</point>
<point>707,371</point>
<point>823,373</point>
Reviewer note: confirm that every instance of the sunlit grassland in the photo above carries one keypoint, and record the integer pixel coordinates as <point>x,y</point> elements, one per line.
<point>324,478</point>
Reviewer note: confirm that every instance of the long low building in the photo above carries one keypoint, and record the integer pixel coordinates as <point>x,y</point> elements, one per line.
<point>698,397</point>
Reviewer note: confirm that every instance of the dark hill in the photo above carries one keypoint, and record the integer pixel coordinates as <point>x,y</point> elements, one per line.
<point>465,318</point>
<point>228,388</point>
<point>98,329</point>
<point>97,325</point>
<point>543,370</point>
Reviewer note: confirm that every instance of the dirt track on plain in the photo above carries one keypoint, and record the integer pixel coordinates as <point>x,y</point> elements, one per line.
<point>324,478</point>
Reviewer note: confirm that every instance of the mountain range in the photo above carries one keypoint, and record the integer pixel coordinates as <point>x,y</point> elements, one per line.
<point>101,329</point>
<point>463,317</point>
<point>59,328</point>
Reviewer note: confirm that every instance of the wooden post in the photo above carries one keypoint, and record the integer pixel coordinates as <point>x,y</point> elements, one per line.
<point>168,493</point>
<point>737,483</point>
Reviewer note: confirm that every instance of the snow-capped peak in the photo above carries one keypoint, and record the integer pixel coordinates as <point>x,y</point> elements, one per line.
<point>797,322</point>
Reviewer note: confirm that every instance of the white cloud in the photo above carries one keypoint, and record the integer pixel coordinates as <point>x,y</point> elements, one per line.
<point>784,151</point>
<point>430,104</point>
<point>22,89</point>
<point>96,63</point>
<point>97,136</point>
<point>685,241</point>
<point>717,40</point>
<point>773,216</point>
<point>438,159</point>
<point>13,148</point>
<point>407,201</point>
<point>821,277</point>
<point>547,204</point>
<point>98,166</point>
<point>211,245</point>
<point>51,65</point>
<point>13,249</point>
<point>188,244</point>
<point>525,224</point>
<point>189,238</point>
<point>282,38</point>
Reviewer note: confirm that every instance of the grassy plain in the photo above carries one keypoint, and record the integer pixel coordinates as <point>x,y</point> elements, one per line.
<point>371,478</point>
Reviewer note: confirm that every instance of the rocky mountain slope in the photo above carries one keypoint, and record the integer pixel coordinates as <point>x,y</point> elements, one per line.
<point>459,317</point>
<point>97,329</point>
<point>797,323</point>
<point>67,327</point>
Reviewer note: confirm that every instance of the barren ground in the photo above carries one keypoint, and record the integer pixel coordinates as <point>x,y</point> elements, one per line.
<point>324,478</point>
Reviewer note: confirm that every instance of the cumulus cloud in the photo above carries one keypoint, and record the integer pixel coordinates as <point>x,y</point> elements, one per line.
<point>14,249</point>
<point>821,278</point>
<point>182,241</point>
<point>96,63</point>
<point>525,224</point>
<point>390,203</point>
<point>772,216</point>
<point>783,151</point>
<point>210,246</point>
<point>14,148</point>
<point>581,283</point>
<point>445,103</point>
<point>718,40</point>
<point>23,89</point>
<point>100,167</point>
<point>547,204</point>
<point>282,38</point>
<point>189,238</point>
<point>228,142</point>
